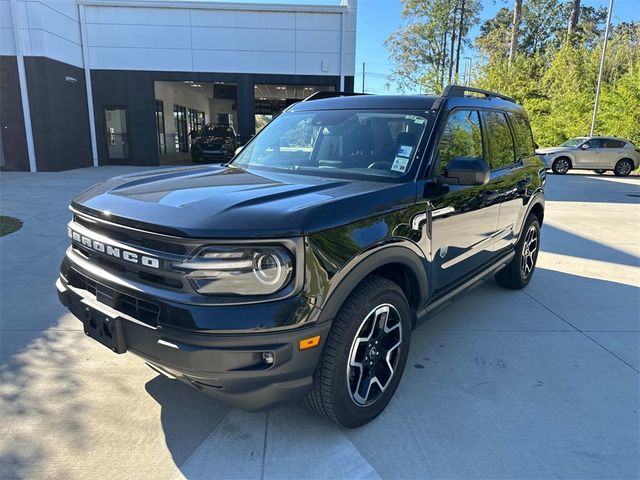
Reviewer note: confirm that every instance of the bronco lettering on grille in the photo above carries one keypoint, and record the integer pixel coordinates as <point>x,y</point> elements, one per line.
<point>112,251</point>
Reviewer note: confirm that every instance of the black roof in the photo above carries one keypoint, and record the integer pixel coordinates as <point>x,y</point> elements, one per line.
<point>400,102</point>
<point>452,96</point>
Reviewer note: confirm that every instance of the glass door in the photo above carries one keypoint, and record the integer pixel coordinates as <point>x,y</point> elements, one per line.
<point>180,120</point>
<point>117,139</point>
<point>162,140</point>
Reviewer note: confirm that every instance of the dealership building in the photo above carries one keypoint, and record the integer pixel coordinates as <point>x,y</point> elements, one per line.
<point>128,82</point>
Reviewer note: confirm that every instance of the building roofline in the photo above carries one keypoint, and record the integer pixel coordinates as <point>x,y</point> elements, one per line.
<point>206,5</point>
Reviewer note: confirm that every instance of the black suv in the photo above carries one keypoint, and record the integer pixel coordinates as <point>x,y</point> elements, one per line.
<point>301,267</point>
<point>214,143</point>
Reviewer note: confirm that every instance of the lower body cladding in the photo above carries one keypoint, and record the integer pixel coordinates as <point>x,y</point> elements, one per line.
<point>251,371</point>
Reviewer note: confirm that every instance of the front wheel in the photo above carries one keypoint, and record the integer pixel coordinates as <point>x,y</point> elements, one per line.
<point>364,355</point>
<point>561,165</point>
<point>517,274</point>
<point>623,168</point>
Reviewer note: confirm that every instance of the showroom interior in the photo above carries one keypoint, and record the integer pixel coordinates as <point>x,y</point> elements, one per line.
<point>135,81</point>
<point>182,109</point>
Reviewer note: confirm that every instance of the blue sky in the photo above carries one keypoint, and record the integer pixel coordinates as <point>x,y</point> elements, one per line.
<point>377,19</point>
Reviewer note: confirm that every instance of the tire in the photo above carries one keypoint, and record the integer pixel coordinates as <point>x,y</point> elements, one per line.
<point>561,165</point>
<point>340,390</point>
<point>600,171</point>
<point>517,274</point>
<point>623,168</point>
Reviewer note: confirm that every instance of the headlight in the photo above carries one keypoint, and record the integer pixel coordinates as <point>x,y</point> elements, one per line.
<point>254,270</point>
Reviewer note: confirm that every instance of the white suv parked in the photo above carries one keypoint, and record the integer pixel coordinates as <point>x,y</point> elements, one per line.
<point>592,153</point>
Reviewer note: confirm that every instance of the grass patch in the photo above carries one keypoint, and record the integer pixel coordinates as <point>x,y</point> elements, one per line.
<point>9,225</point>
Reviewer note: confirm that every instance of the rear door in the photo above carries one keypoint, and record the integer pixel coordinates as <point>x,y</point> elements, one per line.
<point>612,151</point>
<point>508,176</point>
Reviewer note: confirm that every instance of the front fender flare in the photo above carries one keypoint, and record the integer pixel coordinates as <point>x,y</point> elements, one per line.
<point>406,254</point>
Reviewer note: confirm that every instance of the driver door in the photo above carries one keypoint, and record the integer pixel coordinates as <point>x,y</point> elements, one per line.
<point>589,154</point>
<point>463,219</point>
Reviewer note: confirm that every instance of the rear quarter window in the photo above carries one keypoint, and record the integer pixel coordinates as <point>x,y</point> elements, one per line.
<point>611,143</point>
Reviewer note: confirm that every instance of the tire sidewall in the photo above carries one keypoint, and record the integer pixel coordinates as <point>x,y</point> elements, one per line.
<point>531,221</point>
<point>555,169</point>
<point>350,414</point>
<point>616,170</point>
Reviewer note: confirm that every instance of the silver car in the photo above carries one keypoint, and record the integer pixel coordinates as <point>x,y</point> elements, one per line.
<point>592,153</point>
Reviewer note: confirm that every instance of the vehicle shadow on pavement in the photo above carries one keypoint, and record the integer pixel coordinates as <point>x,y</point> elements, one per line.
<point>187,415</point>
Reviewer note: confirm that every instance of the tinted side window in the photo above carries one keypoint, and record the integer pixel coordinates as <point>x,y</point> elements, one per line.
<point>501,152</point>
<point>595,143</point>
<point>461,137</point>
<point>524,137</point>
<point>610,143</point>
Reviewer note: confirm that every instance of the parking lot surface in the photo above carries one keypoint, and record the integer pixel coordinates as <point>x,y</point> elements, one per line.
<point>539,383</point>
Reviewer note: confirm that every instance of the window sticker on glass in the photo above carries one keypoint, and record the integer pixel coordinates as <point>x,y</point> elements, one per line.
<point>404,151</point>
<point>400,164</point>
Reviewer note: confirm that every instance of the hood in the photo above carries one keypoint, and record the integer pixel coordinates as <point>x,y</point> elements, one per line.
<point>548,150</point>
<point>228,202</point>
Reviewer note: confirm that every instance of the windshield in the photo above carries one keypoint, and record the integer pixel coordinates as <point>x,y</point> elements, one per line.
<point>573,142</point>
<point>338,143</point>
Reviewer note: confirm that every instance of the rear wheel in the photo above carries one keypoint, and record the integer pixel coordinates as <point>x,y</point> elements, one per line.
<point>364,356</point>
<point>623,167</point>
<point>517,274</point>
<point>561,165</point>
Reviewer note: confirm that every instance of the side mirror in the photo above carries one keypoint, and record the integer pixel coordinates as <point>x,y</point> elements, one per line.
<point>239,149</point>
<point>466,171</point>
<point>584,146</point>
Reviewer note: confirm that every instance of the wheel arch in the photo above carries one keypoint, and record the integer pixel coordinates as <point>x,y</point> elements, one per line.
<point>399,264</point>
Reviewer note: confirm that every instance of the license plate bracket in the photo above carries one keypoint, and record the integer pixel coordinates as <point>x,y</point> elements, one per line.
<point>104,328</point>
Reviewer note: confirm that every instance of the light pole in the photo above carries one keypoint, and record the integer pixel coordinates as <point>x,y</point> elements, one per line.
<point>467,79</point>
<point>604,51</point>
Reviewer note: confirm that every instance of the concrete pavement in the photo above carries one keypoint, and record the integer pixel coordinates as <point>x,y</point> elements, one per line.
<point>541,383</point>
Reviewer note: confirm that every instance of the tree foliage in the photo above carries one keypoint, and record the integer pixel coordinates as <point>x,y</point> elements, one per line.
<point>425,48</point>
<point>556,79</point>
<point>554,71</point>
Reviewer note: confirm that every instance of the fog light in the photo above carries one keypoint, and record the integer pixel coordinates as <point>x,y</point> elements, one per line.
<point>268,358</point>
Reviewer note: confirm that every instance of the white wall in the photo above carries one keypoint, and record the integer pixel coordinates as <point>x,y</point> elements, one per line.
<point>188,36</point>
<point>257,38</point>
<point>48,28</point>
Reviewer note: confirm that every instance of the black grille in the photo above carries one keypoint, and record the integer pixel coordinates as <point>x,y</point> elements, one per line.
<point>142,310</point>
<point>131,237</point>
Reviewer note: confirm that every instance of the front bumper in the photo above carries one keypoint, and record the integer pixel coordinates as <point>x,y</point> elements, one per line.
<point>227,366</point>
<point>211,155</point>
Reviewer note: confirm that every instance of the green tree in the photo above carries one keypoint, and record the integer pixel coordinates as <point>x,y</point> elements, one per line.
<point>425,49</point>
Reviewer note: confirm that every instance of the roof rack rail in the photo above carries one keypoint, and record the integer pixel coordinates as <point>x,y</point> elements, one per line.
<point>327,94</point>
<point>460,90</point>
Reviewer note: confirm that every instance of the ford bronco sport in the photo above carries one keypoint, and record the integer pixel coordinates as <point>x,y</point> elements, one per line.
<point>301,267</point>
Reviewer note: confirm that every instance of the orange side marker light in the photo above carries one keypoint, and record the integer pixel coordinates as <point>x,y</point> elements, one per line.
<point>310,342</point>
